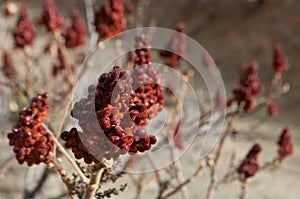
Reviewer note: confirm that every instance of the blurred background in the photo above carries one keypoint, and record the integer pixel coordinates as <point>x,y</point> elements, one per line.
<point>233,32</point>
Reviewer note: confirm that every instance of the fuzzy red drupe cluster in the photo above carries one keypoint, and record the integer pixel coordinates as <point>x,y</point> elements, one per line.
<point>25,32</point>
<point>249,88</point>
<point>76,34</point>
<point>285,143</point>
<point>30,140</point>
<point>250,166</point>
<point>51,18</point>
<point>110,20</point>
<point>280,61</point>
<point>176,47</point>
<point>8,68</point>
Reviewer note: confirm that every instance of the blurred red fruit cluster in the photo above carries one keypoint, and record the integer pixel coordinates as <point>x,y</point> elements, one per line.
<point>110,20</point>
<point>177,47</point>
<point>285,143</point>
<point>25,32</point>
<point>249,88</point>
<point>76,34</point>
<point>280,62</point>
<point>8,68</point>
<point>250,166</point>
<point>272,109</point>
<point>51,18</point>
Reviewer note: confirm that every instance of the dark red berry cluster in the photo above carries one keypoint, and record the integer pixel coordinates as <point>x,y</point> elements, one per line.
<point>250,166</point>
<point>30,140</point>
<point>51,18</point>
<point>115,99</point>
<point>146,80</point>
<point>285,143</point>
<point>91,145</point>
<point>63,65</point>
<point>272,109</point>
<point>110,19</point>
<point>129,7</point>
<point>76,34</point>
<point>25,32</point>
<point>177,47</point>
<point>280,62</point>
<point>143,51</point>
<point>8,68</point>
<point>249,88</point>
<point>111,120</point>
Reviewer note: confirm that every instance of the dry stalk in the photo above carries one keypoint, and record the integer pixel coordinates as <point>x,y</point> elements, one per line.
<point>28,65</point>
<point>96,171</point>
<point>65,177</point>
<point>213,180</point>
<point>157,175</point>
<point>176,163</point>
<point>118,51</point>
<point>139,187</point>
<point>60,41</point>
<point>179,174</point>
<point>244,189</point>
<point>6,165</point>
<point>197,173</point>
<point>230,174</point>
<point>267,165</point>
<point>149,180</point>
<point>66,154</point>
<point>61,123</point>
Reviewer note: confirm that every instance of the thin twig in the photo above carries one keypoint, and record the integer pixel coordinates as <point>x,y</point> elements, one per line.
<point>28,64</point>
<point>274,82</point>
<point>133,179</point>
<point>90,22</point>
<point>60,41</point>
<point>140,11</point>
<point>244,189</point>
<point>6,165</point>
<point>139,187</point>
<point>212,185</point>
<point>153,165</point>
<point>149,180</point>
<point>66,154</point>
<point>65,178</point>
<point>176,163</point>
<point>118,51</point>
<point>268,164</point>
<point>179,174</point>
<point>229,175</point>
<point>258,124</point>
<point>67,107</point>
<point>197,173</point>
<point>88,61</point>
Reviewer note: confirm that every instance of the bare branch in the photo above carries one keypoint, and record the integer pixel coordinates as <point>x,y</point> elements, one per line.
<point>197,173</point>
<point>66,154</point>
